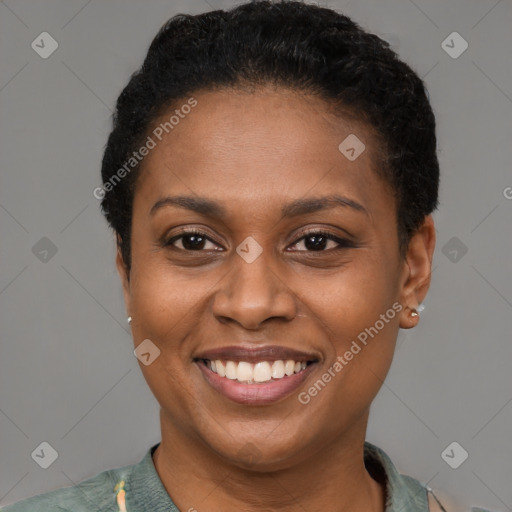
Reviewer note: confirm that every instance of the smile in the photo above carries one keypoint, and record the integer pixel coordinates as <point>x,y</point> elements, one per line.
<point>255,383</point>
<point>261,372</point>
<point>256,375</point>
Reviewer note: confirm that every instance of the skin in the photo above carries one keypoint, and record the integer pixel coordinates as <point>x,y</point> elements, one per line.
<point>253,153</point>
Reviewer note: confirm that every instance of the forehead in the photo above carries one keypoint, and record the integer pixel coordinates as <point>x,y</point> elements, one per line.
<point>241,146</point>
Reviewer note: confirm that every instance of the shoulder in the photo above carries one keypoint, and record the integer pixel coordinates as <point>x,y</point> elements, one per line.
<point>441,502</point>
<point>405,492</point>
<point>94,494</point>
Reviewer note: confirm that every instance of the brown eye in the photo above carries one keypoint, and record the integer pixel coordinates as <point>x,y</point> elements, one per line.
<point>191,241</point>
<point>319,241</point>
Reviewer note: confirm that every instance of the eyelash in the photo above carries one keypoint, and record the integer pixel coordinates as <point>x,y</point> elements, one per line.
<point>343,243</point>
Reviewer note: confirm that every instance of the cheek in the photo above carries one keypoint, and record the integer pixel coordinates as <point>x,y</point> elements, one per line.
<point>164,308</point>
<point>358,310</point>
<point>354,297</point>
<point>164,298</point>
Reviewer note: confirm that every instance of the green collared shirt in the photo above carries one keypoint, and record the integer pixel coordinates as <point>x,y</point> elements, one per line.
<point>138,488</point>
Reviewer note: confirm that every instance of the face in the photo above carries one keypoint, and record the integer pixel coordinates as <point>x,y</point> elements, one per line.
<point>280,249</point>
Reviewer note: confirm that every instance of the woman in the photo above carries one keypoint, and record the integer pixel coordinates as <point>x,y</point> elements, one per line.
<point>270,178</point>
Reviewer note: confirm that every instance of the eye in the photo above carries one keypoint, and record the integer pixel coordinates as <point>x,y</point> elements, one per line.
<point>318,241</point>
<point>191,240</point>
<point>313,241</point>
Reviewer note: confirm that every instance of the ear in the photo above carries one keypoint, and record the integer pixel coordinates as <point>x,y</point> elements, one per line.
<point>417,271</point>
<point>124,275</point>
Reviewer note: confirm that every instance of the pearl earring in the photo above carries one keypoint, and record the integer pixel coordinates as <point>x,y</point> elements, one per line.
<point>415,312</point>
<point>129,319</point>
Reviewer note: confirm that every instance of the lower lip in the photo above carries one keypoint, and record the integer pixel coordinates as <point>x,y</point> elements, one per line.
<point>255,394</point>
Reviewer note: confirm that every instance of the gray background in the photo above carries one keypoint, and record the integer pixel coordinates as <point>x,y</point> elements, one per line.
<point>68,373</point>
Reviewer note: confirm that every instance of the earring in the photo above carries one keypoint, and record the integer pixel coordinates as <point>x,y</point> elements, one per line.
<point>129,319</point>
<point>415,312</point>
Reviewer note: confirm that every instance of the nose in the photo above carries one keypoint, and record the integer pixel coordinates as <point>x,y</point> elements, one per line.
<point>253,293</point>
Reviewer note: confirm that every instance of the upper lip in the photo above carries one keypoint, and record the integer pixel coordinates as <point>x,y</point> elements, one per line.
<point>256,354</point>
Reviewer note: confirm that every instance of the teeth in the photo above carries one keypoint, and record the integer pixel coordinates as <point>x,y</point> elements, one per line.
<point>289,367</point>
<point>220,368</point>
<point>244,371</point>
<point>278,370</point>
<point>231,370</point>
<point>263,371</point>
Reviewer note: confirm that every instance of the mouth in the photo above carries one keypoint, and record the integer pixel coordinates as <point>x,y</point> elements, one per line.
<point>255,376</point>
<point>259,373</point>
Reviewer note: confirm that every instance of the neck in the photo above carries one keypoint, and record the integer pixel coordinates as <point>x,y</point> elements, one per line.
<point>333,478</point>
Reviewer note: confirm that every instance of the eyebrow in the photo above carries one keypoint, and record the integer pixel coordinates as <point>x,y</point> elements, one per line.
<point>298,207</point>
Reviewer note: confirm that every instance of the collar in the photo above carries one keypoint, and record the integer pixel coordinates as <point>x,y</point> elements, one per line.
<point>403,493</point>
<point>145,491</point>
